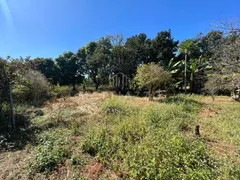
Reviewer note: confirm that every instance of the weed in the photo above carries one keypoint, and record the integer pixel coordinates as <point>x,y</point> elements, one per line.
<point>51,151</point>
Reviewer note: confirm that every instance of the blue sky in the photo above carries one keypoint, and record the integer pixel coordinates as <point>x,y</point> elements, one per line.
<point>47,28</point>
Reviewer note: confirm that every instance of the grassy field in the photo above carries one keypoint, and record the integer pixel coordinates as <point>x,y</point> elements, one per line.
<point>103,136</point>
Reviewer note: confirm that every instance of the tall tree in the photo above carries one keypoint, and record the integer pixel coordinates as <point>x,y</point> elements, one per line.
<point>98,56</point>
<point>226,60</point>
<point>140,48</point>
<point>70,68</point>
<point>123,61</point>
<point>194,63</point>
<point>164,48</point>
<point>210,43</point>
<point>47,67</point>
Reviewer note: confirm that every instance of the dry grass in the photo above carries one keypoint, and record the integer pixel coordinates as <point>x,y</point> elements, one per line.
<point>13,165</point>
<point>88,103</point>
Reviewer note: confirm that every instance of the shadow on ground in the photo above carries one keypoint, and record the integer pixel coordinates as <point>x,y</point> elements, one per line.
<point>16,140</point>
<point>181,100</point>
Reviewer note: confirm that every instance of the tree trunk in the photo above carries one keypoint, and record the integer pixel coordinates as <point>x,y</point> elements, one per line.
<point>185,73</point>
<point>74,84</point>
<point>151,93</point>
<point>96,86</point>
<point>192,83</point>
<point>96,82</point>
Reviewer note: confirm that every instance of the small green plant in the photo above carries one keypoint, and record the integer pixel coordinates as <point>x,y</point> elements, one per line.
<point>51,151</point>
<point>77,161</point>
<point>76,130</point>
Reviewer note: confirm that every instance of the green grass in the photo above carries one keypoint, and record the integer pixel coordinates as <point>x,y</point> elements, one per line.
<point>149,143</point>
<point>226,124</point>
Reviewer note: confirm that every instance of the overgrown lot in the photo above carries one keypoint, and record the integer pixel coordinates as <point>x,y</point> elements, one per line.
<point>103,136</point>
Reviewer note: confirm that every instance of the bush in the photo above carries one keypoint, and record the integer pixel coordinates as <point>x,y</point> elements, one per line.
<point>35,88</point>
<point>61,91</point>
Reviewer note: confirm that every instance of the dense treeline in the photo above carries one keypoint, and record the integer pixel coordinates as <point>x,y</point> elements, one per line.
<point>207,63</point>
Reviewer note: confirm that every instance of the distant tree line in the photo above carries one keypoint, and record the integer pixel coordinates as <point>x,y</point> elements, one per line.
<point>206,63</point>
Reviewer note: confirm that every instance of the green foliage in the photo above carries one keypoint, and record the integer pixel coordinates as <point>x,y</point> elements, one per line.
<point>163,48</point>
<point>151,76</point>
<point>149,144</point>
<point>211,43</point>
<point>161,156</point>
<point>71,69</point>
<point>46,66</point>
<point>77,160</point>
<point>140,49</point>
<point>98,56</point>
<point>51,152</point>
<point>34,88</point>
<point>60,91</point>
<point>4,116</point>
<point>123,62</point>
<point>190,47</point>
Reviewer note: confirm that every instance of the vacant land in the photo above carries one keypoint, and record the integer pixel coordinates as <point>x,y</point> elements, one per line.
<point>103,136</point>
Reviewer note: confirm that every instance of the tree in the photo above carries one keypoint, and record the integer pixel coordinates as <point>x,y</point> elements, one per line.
<point>3,86</point>
<point>116,40</point>
<point>35,86</point>
<point>98,56</point>
<point>194,65</point>
<point>11,71</point>
<point>140,48</point>
<point>190,46</point>
<point>164,48</point>
<point>81,54</point>
<point>151,76</point>
<point>210,43</point>
<point>71,69</point>
<point>46,66</point>
<point>228,68</point>
<point>227,59</point>
<point>122,61</point>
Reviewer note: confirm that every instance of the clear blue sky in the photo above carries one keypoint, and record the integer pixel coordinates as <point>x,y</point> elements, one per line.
<point>47,28</point>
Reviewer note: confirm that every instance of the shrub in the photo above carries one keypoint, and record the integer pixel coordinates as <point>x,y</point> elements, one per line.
<point>151,76</point>
<point>35,88</point>
<point>61,91</point>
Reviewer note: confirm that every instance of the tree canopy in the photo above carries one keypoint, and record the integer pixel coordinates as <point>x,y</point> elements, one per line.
<point>151,76</point>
